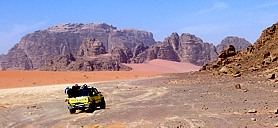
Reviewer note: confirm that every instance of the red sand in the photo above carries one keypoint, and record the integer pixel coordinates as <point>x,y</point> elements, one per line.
<point>15,79</point>
<point>158,65</point>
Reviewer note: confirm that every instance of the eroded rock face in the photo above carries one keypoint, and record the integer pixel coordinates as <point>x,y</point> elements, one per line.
<point>238,43</point>
<point>18,58</point>
<point>194,50</point>
<point>1,57</point>
<point>123,55</point>
<point>71,62</point>
<point>91,47</point>
<point>34,49</point>
<point>129,38</point>
<point>184,48</point>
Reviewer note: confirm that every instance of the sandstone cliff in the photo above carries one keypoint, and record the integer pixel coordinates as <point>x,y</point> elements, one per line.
<point>91,47</point>
<point>238,43</point>
<point>72,62</point>
<point>184,48</point>
<point>34,49</point>
<point>1,57</point>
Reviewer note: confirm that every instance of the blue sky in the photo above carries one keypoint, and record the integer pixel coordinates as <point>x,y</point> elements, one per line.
<point>211,20</point>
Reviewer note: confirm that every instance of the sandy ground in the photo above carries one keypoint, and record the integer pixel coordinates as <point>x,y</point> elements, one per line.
<point>164,66</point>
<point>15,79</point>
<point>177,100</point>
<point>189,100</point>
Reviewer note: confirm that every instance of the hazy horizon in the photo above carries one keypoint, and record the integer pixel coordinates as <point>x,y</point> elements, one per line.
<point>210,20</point>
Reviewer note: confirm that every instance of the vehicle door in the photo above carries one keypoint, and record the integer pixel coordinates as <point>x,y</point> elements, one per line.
<point>97,95</point>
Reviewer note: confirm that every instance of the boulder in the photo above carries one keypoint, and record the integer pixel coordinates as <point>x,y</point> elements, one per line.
<point>229,70</point>
<point>238,86</point>
<point>229,51</point>
<point>252,111</point>
<point>271,76</point>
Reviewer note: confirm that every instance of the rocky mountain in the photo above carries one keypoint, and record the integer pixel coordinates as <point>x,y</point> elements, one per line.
<point>260,57</point>
<point>46,49</point>
<point>35,48</point>
<point>184,48</point>
<point>238,43</point>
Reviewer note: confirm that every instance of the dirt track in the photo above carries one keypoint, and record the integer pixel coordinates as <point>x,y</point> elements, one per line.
<point>177,100</point>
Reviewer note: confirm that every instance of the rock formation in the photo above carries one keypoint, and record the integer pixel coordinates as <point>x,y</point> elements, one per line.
<point>1,57</point>
<point>260,57</point>
<point>91,47</point>
<point>184,48</point>
<point>229,51</point>
<point>129,38</point>
<point>238,43</point>
<point>87,41</point>
<point>18,58</point>
<point>34,49</point>
<point>123,55</point>
<point>70,62</point>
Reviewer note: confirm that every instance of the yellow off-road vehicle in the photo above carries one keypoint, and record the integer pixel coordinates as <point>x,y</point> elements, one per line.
<point>85,98</point>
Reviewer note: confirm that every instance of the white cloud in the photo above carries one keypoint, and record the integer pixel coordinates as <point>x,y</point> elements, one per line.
<point>217,5</point>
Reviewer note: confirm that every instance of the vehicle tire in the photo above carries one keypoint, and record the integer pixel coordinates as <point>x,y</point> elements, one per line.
<point>102,104</point>
<point>72,111</point>
<point>92,107</point>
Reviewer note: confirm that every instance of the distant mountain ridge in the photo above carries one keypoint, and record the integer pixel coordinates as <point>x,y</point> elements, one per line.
<point>88,41</point>
<point>35,48</point>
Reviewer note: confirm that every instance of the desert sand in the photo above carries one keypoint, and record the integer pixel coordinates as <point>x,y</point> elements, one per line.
<point>15,79</point>
<point>140,100</point>
<point>164,66</point>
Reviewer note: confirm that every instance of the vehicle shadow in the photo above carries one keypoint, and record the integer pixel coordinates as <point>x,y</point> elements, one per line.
<point>87,111</point>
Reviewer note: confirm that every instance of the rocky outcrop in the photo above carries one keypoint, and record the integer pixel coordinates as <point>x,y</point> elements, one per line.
<point>129,38</point>
<point>184,48</point>
<point>158,51</point>
<point>229,51</point>
<point>1,57</point>
<point>238,43</point>
<point>18,58</point>
<point>194,50</point>
<point>260,57</point>
<point>123,55</point>
<point>72,63</point>
<point>91,47</point>
<point>34,49</point>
